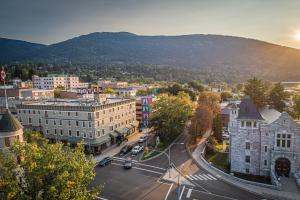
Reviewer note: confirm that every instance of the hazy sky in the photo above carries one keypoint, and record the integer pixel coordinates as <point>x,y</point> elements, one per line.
<point>276,21</point>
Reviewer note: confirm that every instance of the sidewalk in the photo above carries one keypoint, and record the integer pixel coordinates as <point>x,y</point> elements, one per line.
<point>274,194</point>
<point>114,149</point>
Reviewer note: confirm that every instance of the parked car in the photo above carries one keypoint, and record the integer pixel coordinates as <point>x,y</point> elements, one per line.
<point>127,164</point>
<point>137,149</point>
<point>142,139</point>
<point>105,161</point>
<point>125,149</point>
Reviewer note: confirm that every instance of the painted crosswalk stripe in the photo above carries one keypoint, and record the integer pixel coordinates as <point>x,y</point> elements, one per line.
<point>202,177</point>
<point>207,177</point>
<point>188,195</point>
<point>199,177</point>
<point>211,176</point>
<point>190,177</point>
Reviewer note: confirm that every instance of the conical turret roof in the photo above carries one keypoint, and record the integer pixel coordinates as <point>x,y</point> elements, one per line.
<point>8,123</point>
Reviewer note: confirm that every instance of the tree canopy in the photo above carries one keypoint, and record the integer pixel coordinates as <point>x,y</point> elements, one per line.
<point>196,85</point>
<point>212,100</point>
<point>296,106</point>
<point>171,116</point>
<point>277,97</point>
<point>257,90</point>
<point>46,171</point>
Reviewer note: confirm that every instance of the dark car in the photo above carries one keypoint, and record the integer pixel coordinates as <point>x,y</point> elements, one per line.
<point>126,149</point>
<point>105,161</point>
<point>128,164</point>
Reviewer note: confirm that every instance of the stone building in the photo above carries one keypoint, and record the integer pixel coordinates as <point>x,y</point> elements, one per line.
<point>263,141</point>
<point>98,122</point>
<point>10,130</point>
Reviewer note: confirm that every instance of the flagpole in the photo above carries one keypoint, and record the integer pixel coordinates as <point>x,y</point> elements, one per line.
<point>6,103</point>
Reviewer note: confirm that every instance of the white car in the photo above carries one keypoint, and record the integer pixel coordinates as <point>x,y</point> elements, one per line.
<point>137,149</point>
<point>142,139</point>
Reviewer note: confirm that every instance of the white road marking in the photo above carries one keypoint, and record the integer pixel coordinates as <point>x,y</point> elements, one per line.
<point>166,197</point>
<point>188,195</point>
<point>140,169</point>
<point>137,162</point>
<point>225,197</point>
<point>207,177</point>
<point>211,176</point>
<point>202,177</point>
<point>182,192</point>
<point>190,177</point>
<point>101,198</point>
<point>217,175</point>
<point>151,166</point>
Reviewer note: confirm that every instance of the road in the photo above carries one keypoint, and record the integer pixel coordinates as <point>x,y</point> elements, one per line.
<point>143,180</point>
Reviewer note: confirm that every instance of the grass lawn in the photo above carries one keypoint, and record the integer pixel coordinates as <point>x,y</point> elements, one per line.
<point>151,153</point>
<point>219,160</point>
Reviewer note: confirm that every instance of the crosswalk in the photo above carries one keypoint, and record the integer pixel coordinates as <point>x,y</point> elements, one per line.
<point>202,177</point>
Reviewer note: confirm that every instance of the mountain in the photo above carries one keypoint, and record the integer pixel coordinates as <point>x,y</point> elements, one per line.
<point>215,53</point>
<point>12,50</point>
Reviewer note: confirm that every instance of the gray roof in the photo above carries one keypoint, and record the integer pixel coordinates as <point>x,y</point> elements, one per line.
<point>248,110</point>
<point>8,123</point>
<point>225,111</point>
<point>269,114</point>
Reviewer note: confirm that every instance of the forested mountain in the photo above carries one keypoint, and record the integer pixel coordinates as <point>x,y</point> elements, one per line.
<point>222,55</point>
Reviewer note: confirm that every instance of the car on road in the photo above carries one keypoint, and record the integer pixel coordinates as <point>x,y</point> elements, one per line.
<point>105,161</point>
<point>127,164</point>
<point>137,149</point>
<point>126,149</point>
<point>142,139</point>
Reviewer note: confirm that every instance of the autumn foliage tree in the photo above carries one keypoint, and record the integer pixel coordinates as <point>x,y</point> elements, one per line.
<point>46,171</point>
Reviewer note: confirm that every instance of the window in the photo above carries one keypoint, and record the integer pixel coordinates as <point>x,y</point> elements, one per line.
<point>69,113</point>
<point>242,124</point>
<point>248,124</point>
<point>247,170</point>
<point>283,140</point>
<point>7,142</point>
<point>90,124</point>
<point>255,124</point>
<point>70,133</point>
<point>247,159</point>
<point>55,131</point>
<point>29,120</point>
<point>61,132</point>
<point>265,162</point>
<point>69,123</point>
<point>76,113</point>
<point>83,124</point>
<point>266,149</point>
<point>54,122</point>
<point>91,135</point>
<point>247,145</point>
<point>84,135</point>
<point>40,120</point>
<point>77,133</point>
<point>47,131</point>
<point>103,131</point>
<point>77,123</point>
<point>89,116</point>
<point>98,133</point>
<point>60,122</point>
<point>46,121</point>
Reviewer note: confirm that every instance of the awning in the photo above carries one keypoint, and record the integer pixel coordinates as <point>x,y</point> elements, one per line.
<point>122,131</point>
<point>99,141</point>
<point>113,134</point>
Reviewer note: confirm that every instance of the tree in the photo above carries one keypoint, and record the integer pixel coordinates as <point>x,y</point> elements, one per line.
<point>296,106</point>
<point>57,91</point>
<point>201,121</point>
<point>225,96</point>
<point>217,128</point>
<point>46,171</point>
<point>212,100</point>
<point>171,116</point>
<point>277,97</point>
<point>257,90</point>
<point>196,85</point>
<point>109,91</point>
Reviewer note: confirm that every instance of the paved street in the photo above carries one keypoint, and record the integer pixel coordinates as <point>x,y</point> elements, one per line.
<point>143,180</point>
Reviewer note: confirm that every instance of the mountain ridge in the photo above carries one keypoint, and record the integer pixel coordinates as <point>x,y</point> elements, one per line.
<point>216,53</point>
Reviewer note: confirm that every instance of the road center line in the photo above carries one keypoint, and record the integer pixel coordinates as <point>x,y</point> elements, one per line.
<point>188,195</point>
<point>169,191</point>
<point>182,192</point>
<point>101,198</point>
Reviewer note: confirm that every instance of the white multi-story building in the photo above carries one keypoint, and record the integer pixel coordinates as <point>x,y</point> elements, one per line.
<point>97,122</point>
<point>263,141</point>
<point>68,82</point>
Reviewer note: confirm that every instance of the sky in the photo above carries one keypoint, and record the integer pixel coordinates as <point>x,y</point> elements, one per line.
<point>52,21</point>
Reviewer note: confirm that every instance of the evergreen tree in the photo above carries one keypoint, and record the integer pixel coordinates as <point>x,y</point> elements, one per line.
<point>277,97</point>
<point>257,90</point>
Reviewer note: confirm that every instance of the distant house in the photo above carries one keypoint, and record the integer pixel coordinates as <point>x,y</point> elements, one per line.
<point>263,141</point>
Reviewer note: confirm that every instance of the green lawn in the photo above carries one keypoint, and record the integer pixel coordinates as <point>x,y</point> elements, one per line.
<point>219,160</point>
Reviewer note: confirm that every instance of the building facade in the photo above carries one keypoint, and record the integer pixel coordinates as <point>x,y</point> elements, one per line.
<point>97,123</point>
<point>263,141</point>
<point>68,82</point>
<point>144,108</point>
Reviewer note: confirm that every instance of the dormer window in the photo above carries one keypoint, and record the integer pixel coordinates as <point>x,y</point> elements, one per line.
<point>242,124</point>
<point>248,124</point>
<point>254,124</point>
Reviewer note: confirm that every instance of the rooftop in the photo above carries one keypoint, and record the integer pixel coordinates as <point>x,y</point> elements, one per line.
<point>248,110</point>
<point>8,123</point>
